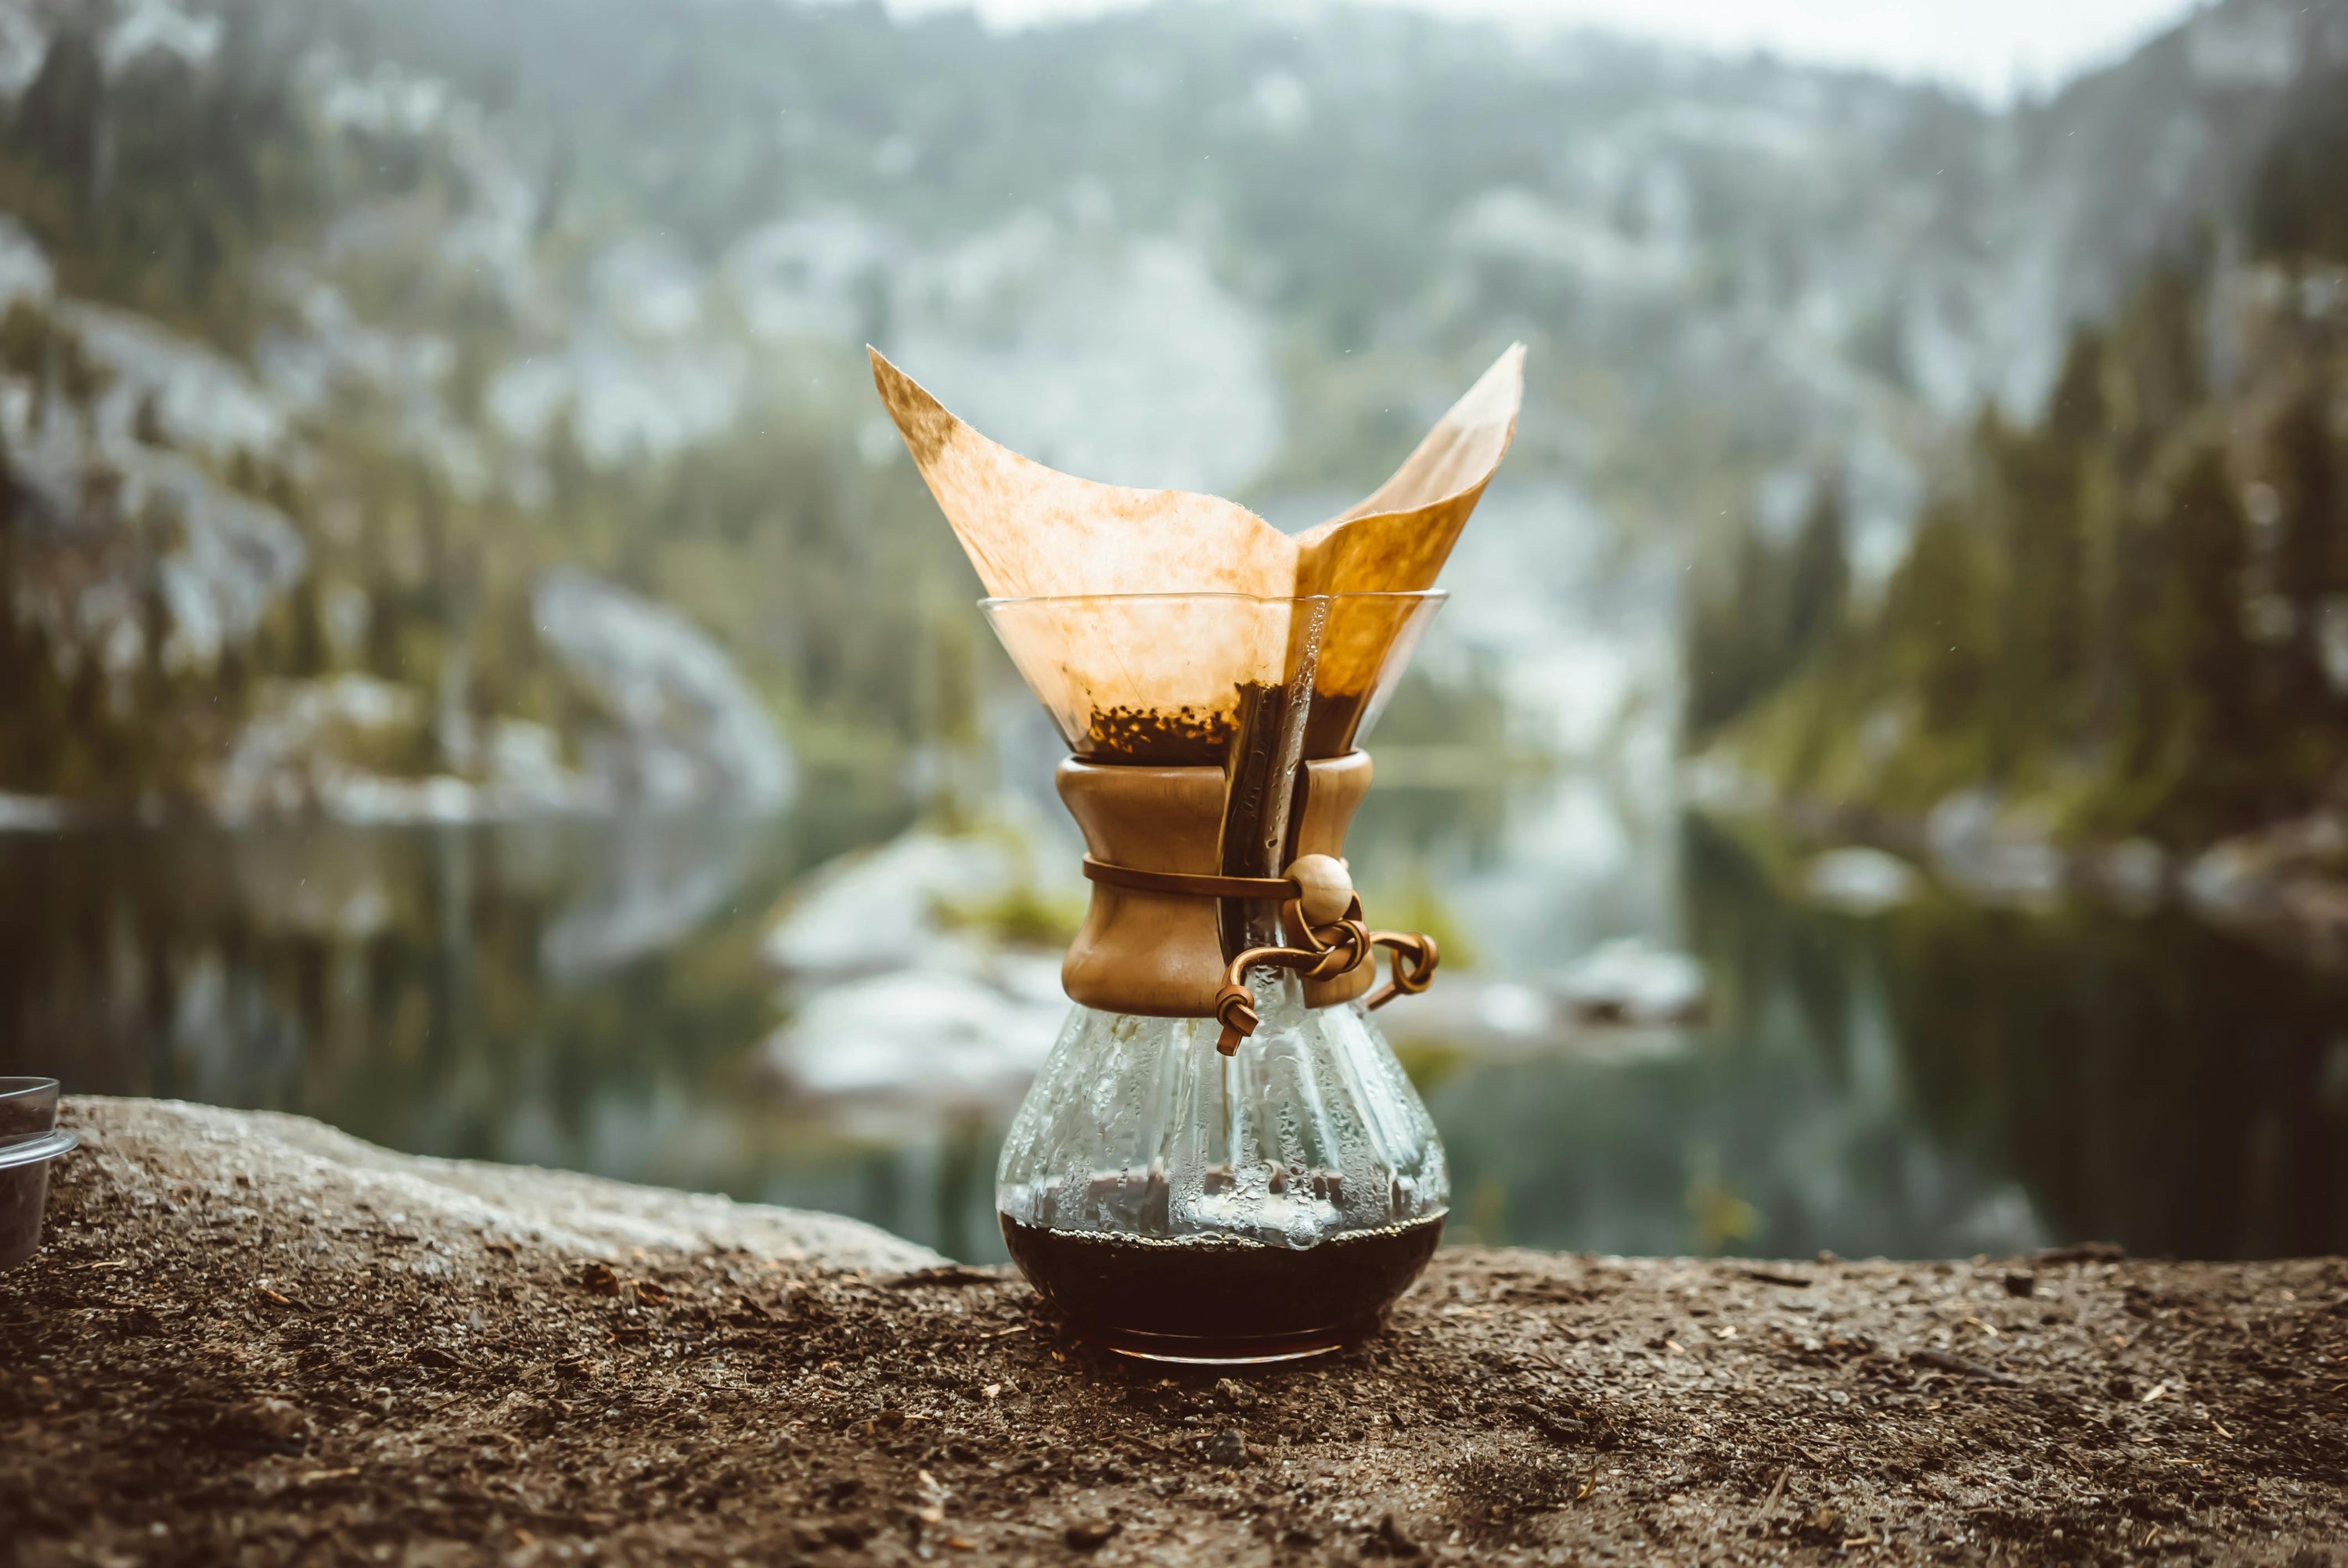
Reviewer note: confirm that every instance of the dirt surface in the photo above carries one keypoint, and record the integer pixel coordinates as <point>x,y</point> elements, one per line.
<point>252,1339</point>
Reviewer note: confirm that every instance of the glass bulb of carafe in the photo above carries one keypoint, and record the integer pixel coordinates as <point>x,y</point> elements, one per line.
<point>1179,1203</point>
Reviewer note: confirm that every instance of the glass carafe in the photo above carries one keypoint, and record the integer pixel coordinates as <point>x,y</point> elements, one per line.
<point>1171,1186</point>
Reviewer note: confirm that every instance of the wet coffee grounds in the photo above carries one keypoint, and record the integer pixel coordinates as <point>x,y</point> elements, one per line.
<point>1179,738</point>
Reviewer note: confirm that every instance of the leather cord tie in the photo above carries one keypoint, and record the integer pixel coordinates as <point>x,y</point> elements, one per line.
<point>1264,888</point>
<point>1318,902</point>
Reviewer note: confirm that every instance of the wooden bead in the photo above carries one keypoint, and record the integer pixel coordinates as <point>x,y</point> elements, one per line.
<point>1327,887</point>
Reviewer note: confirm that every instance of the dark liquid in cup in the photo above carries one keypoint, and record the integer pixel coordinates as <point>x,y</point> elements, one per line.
<point>1219,1297</point>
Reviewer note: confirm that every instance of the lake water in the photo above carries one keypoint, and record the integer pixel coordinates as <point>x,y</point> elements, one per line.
<point>1940,1081</point>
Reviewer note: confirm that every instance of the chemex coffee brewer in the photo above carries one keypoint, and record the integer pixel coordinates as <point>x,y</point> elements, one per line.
<point>1221,1160</point>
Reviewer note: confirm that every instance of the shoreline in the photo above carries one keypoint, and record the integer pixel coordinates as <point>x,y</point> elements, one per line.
<point>2274,886</point>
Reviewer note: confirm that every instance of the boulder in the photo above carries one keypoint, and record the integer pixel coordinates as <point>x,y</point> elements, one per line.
<point>1628,981</point>
<point>1859,880</point>
<point>251,1339</point>
<point>943,1037</point>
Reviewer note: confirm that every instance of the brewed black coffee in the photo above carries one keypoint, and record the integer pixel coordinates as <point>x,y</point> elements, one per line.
<point>1216,1298</point>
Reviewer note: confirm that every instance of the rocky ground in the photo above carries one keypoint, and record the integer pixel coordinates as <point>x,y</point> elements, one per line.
<point>251,1339</point>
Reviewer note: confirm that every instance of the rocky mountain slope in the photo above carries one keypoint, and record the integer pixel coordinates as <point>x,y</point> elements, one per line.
<point>333,331</point>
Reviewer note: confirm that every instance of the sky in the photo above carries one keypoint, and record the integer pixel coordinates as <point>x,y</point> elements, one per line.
<point>1993,47</point>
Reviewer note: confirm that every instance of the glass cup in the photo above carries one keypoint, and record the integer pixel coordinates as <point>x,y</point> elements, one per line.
<point>29,1140</point>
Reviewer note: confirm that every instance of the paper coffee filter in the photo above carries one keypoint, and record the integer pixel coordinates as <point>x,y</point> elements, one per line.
<point>1035,533</point>
<point>1398,540</point>
<point>1157,678</point>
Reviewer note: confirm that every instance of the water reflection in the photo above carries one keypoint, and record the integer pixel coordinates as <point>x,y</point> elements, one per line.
<point>1941,1079</point>
<point>565,993</point>
<point>2146,1079</point>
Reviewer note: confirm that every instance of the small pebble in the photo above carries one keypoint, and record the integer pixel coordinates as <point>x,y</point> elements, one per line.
<point>1092,1534</point>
